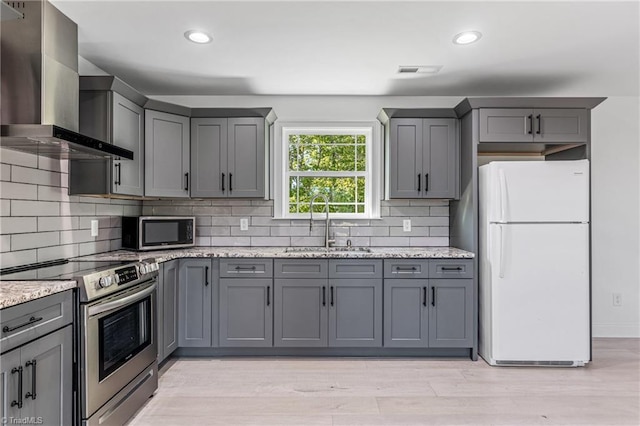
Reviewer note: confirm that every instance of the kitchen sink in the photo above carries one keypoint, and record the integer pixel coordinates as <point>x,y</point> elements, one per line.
<point>344,249</point>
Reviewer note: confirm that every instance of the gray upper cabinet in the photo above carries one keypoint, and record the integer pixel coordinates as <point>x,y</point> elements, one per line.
<point>168,308</point>
<point>300,312</point>
<point>246,314</point>
<point>561,125</point>
<point>450,313</point>
<point>166,155</point>
<point>406,313</point>
<point>423,158</point>
<point>109,116</point>
<point>355,312</point>
<point>43,372</point>
<point>227,157</point>
<point>195,303</point>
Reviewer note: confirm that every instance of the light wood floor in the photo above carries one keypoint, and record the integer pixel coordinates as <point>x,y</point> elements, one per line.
<point>365,391</point>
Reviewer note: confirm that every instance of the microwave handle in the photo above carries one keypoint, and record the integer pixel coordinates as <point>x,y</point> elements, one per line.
<point>119,303</point>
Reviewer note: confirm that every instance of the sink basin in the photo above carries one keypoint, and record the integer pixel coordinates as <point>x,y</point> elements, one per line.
<point>330,250</point>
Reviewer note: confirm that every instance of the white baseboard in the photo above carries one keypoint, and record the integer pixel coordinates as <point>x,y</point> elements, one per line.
<point>616,330</point>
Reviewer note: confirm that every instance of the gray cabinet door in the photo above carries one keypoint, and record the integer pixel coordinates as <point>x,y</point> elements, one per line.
<point>560,125</point>
<point>406,313</point>
<point>9,381</point>
<point>405,158</point>
<point>195,303</point>
<point>245,157</point>
<point>355,312</point>
<point>208,157</point>
<point>166,155</point>
<point>451,313</point>
<point>439,158</point>
<point>50,359</point>
<point>246,316</point>
<point>506,125</point>
<point>128,133</point>
<point>300,312</point>
<point>168,325</point>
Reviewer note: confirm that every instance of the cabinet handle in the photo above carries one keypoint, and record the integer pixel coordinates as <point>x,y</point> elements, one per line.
<point>457,268</point>
<point>433,296</point>
<point>268,295</point>
<point>206,276</point>
<point>246,268</point>
<point>529,129</point>
<point>118,167</point>
<point>19,401</point>
<point>426,182</point>
<point>223,182</point>
<point>32,320</point>
<point>538,118</point>
<point>186,179</point>
<point>400,268</point>
<point>230,182</point>
<point>419,183</point>
<point>324,296</point>
<point>331,293</point>
<point>32,394</point>
<point>424,297</point>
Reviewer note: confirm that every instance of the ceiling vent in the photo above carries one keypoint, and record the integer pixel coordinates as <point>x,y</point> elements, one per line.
<point>419,69</point>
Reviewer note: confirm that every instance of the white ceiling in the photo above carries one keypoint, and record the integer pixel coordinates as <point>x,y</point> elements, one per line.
<point>355,47</point>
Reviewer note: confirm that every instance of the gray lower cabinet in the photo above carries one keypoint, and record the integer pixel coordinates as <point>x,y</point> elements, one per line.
<point>227,157</point>
<point>195,303</point>
<point>168,288</point>
<point>553,125</point>
<point>355,312</point>
<point>423,158</point>
<point>166,155</point>
<point>42,371</point>
<point>300,312</point>
<point>450,313</point>
<point>406,316</point>
<point>245,313</point>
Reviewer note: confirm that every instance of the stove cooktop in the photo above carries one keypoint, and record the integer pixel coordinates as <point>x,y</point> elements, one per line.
<point>61,269</point>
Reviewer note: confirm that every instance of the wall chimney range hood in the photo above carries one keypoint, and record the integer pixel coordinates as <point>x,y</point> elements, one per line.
<point>40,86</point>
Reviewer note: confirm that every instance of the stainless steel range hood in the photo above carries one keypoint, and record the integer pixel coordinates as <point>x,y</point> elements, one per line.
<point>40,89</point>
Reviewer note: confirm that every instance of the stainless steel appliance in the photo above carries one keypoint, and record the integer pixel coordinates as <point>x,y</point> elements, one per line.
<point>157,232</point>
<point>117,346</point>
<point>40,88</point>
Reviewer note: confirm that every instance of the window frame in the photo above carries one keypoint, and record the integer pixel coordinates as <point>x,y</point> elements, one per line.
<point>372,174</point>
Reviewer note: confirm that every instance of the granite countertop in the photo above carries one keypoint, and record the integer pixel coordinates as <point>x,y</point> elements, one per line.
<point>285,252</point>
<point>16,292</point>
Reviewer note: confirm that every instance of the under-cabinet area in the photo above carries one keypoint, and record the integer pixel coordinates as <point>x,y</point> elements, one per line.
<point>316,306</point>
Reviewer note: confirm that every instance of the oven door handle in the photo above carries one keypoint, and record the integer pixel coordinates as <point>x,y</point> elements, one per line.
<point>119,303</point>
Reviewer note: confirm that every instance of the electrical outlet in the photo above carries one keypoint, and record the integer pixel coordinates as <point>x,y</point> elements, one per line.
<point>617,299</point>
<point>244,224</point>
<point>406,225</point>
<point>94,228</point>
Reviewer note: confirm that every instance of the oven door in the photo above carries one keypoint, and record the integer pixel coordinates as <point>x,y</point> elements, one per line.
<point>118,342</point>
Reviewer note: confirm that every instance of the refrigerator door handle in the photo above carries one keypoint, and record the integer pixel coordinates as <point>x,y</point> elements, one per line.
<point>501,257</point>
<point>503,195</point>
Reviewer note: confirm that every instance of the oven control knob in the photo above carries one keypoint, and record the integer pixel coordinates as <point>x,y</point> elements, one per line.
<point>142,269</point>
<point>105,282</point>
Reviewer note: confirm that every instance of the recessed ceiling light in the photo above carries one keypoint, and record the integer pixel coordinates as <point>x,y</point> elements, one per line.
<point>419,69</point>
<point>467,37</point>
<point>198,36</point>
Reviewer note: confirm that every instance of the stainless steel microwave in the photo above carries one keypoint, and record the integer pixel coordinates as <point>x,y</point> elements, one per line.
<point>158,232</point>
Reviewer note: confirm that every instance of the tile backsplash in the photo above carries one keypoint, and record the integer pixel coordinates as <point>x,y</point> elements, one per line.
<point>218,224</point>
<point>40,221</point>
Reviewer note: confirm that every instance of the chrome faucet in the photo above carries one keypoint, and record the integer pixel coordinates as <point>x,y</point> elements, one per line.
<point>327,241</point>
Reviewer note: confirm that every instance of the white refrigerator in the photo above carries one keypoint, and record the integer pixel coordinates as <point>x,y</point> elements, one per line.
<point>534,263</point>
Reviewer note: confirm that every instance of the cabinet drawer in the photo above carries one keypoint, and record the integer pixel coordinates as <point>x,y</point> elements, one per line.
<point>230,268</point>
<point>406,268</point>
<point>451,268</point>
<point>43,316</point>
<point>297,268</point>
<point>355,268</point>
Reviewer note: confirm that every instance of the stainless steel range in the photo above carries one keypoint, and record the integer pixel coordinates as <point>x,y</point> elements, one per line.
<point>117,346</point>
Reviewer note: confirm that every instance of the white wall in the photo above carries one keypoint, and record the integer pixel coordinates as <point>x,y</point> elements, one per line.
<point>615,183</point>
<point>615,189</point>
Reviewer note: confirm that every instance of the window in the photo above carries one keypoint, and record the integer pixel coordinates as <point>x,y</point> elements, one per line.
<point>334,160</point>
